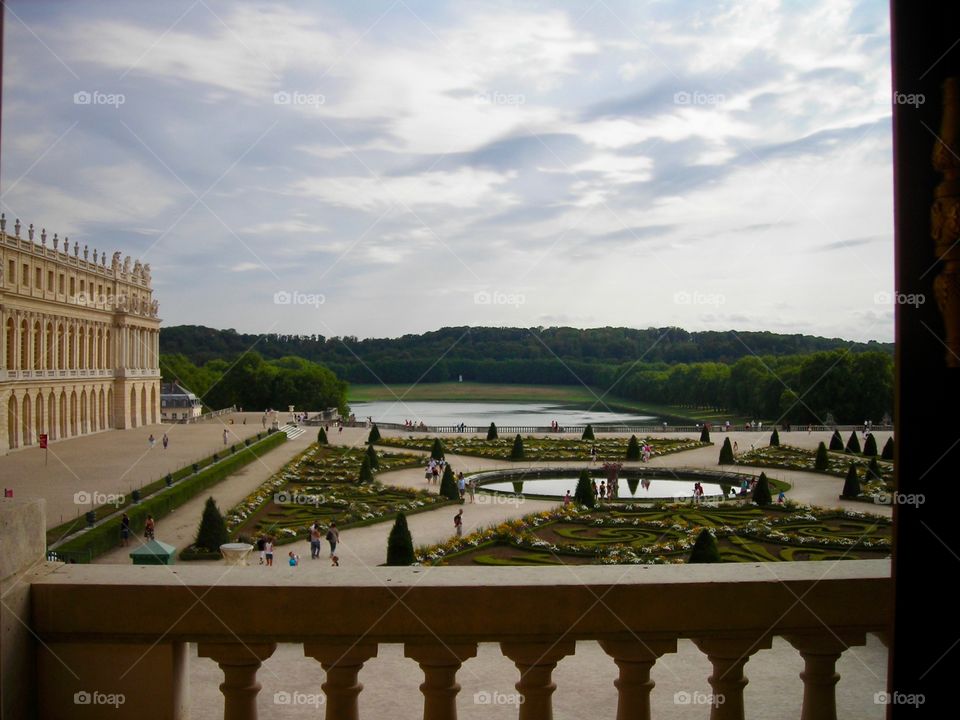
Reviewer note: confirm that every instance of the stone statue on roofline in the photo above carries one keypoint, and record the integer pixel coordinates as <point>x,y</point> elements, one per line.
<point>16,228</point>
<point>146,272</point>
<point>126,265</point>
<point>115,263</point>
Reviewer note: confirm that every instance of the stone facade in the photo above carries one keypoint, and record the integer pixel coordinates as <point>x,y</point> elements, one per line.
<point>79,346</point>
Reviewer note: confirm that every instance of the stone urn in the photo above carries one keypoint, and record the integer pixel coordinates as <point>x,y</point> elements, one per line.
<point>236,553</point>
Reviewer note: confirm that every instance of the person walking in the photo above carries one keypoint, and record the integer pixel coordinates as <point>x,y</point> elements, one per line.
<point>125,530</point>
<point>152,440</point>
<point>473,488</point>
<point>458,523</point>
<point>268,551</point>
<point>333,537</point>
<point>261,548</point>
<point>166,441</point>
<point>149,528</point>
<point>315,540</point>
<point>461,486</point>
<point>224,436</point>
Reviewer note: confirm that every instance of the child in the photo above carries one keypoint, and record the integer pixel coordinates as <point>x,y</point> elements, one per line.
<point>294,559</point>
<point>336,561</point>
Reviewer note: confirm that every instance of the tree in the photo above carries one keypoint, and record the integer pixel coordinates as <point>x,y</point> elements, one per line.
<point>322,437</point>
<point>822,461</point>
<point>726,452</point>
<point>212,532</point>
<point>887,453</point>
<point>870,446</point>
<point>633,448</point>
<point>448,485</point>
<point>588,433</point>
<point>775,438</point>
<point>836,442</point>
<point>372,457</point>
<point>761,493</point>
<point>705,549</point>
<point>516,453</point>
<point>374,435</point>
<point>853,444</point>
<point>584,493</point>
<point>851,485</point>
<point>437,452</point>
<point>366,472</point>
<point>400,543</point>
<point>705,434</point>
<point>492,432</point>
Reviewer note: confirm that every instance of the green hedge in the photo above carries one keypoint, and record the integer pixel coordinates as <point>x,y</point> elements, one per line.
<point>106,537</point>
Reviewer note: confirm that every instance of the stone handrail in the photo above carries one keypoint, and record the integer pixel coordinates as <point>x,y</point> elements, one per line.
<point>634,429</point>
<point>89,617</point>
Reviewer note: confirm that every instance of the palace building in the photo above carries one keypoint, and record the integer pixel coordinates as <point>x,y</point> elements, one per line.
<point>79,349</point>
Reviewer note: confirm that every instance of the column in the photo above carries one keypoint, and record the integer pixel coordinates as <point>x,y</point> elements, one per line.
<point>820,654</point>
<point>239,662</point>
<point>342,664</point>
<point>440,663</point>
<point>536,662</point>
<point>728,655</point>
<point>635,658</point>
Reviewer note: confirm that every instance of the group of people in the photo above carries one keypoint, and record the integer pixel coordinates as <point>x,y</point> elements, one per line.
<point>153,441</point>
<point>413,425</point>
<point>697,492</point>
<point>435,470</point>
<point>265,545</point>
<point>149,529</point>
<point>555,426</point>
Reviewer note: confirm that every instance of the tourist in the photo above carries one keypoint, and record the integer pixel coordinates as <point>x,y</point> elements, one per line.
<point>781,497</point>
<point>603,490</point>
<point>333,537</point>
<point>428,474</point>
<point>124,530</point>
<point>315,540</point>
<point>736,448</point>
<point>224,436</point>
<point>334,561</point>
<point>567,499</point>
<point>149,528</point>
<point>473,488</point>
<point>268,550</point>
<point>166,441</point>
<point>261,545</point>
<point>458,523</point>
<point>461,486</point>
<point>436,472</point>
<point>294,559</point>
<point>152,440</point>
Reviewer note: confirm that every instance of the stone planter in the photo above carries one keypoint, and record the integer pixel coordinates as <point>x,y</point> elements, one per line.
<point>236,553</point>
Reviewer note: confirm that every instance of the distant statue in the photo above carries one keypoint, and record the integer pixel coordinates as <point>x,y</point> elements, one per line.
<point>3,222</point>
<point>66,246</point>
<point>154,308</point>
<point>103,260</point>
<point>76,248</point>
<point>16,228</point>
<point>86,252</point>
<point>94,256</point>
<point>56,241</point>
<point>126,264</point>
<point>137,268</point>
<point>116,260</point>
<point>146,272</point>
<point>43,234</point>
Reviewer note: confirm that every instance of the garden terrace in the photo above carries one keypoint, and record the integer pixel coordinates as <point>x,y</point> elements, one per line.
<point>786,457</point>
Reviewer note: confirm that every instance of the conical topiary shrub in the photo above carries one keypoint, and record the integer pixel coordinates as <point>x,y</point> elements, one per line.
<point>726,452</point>
<point>705,434</point>
<point>836,442</point>
<point>322,437</point>
<point>516,453</point>
<point>372,457</point>
<point>212,532</point>
<point>873,469</point>
<point>851,485</point>
<point>492,432</point>
<point>400,543</point>
<point>584,493</point>
<point>633,448</point>
<point>853,444</point>
<point>887,453</point>
<point>775,438</point>
<point>633,483</point>
<point>705,549</point>
<point>448,485</point>
<point>588,433</point>
<point>366,472</point>
<point>870,446</point>
<point>374,435</point>
<point>437,452</point>
<point>761,493</point>
<point>822,461</point>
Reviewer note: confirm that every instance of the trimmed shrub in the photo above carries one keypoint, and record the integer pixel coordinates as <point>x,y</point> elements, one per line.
<point>851,485</point>
<point>400,543</point>
<point>853,444</point>
<point>366,472</point>
<point>705,549</point>
<point>588,433</point>
<point>873,469</point>
<point>887,453</point>
<point>822,461</point>
<point>212,532</point>
<point>322,437</point>
<point>761,493</point>
<point>775,438</point>
<point>705,434</point>
<point>448,485</point>
<point>633,448</point>
<point>372,457</point>
<point>492,432</point>
<point>870,446</point>
<point>726,453</point>
<point>516,452</point>
<point>437,451</point>
<point>836,442</point>
<point>584,492</point>
<point>374,434</point>
<point>135,495</point>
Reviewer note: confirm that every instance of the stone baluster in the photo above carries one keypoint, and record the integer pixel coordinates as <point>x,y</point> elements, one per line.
<point>440,664</point>
<point>342,663</point>
<point>239,662</point>
<point>820,654</point>
<point>635,657</point>
<point>536,661</point>
<point>728,655</point>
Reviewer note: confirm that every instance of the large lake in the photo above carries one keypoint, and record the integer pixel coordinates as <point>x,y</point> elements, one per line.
<point>483,413</point>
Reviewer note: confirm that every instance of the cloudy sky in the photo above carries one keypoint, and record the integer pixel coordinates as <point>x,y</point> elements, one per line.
<point>395,166</point>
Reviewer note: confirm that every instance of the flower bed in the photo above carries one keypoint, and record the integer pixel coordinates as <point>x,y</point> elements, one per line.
<point>787,457</point>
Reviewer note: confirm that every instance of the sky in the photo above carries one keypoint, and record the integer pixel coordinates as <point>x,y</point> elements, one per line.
<point>381,168</point>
